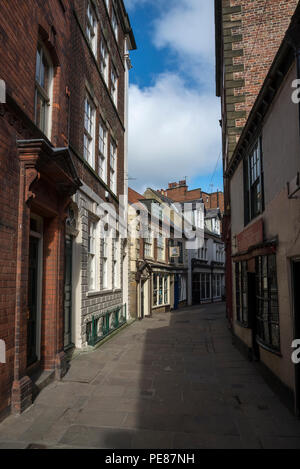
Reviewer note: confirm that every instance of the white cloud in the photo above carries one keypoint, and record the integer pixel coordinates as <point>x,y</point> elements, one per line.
<point>172,133</point>
<point>131,4</point>
<point>174,130</point>
<point>188,29</point>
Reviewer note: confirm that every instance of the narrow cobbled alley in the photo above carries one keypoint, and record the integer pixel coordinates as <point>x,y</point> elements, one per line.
<point>174,381</point>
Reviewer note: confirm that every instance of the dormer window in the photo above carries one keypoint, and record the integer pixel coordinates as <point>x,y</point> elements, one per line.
<point>43,90</point>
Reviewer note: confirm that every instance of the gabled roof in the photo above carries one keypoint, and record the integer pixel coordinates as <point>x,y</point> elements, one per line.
<point>134,197</point>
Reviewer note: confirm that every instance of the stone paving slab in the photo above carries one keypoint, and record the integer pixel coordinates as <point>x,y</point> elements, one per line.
<point>171,382</point>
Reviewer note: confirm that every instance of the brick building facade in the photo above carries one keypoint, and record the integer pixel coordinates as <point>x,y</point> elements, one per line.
<point>248,35</point>
<point>179,192</point>
<point>100,69</point>
<point>157,281</point>
<point>261,174</point>
<point>49,139</point>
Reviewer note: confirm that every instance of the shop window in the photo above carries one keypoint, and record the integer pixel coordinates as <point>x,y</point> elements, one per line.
<point>241,281</point>
<point>267,302</point>
<point>160,290</point>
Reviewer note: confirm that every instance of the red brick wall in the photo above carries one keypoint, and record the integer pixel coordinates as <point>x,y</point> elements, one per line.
<point>33,20</point>
<point>251,236</point>
<point>84,69</point>
<point>252,33</point>
<point>182,194</point>
<point>263,27</point>
<point>22,24</point>
<point>8,245</point>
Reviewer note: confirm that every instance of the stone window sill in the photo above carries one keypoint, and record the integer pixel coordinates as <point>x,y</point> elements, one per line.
<point>91,294</point>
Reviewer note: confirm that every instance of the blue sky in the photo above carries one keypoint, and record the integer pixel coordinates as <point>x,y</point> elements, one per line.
<point>174,115</point>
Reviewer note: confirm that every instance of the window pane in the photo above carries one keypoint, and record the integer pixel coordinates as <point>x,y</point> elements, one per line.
<point>38,65</point>
<point>160,293</point>
<point>155,297</point>
<point>166,295</point>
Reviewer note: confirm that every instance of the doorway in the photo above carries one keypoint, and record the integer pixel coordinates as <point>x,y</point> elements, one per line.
<point>143,300</point>
<point>176,292</point>
<point>35,263</point>
<point>196,289</point>
<point>68,312</point>
<point>296,300</point>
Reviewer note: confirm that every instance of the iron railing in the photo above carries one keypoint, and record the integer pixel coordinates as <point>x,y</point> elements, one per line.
<point>102,325</point>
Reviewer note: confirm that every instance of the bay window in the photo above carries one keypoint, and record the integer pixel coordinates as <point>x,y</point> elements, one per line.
<point>166,290</point>
<point>160,290</point>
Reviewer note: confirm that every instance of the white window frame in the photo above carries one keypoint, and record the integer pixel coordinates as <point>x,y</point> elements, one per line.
<point>105,263</point>
<point>203,251</point>
<point>114,81</point>
<point>89,131</point>
<point>115,24</point>
<point>104,60</point>
<point>161,251</point>
<point>92,254</point>
<point>165,293</point>
<point>92,27</point>
<point>45,95</point>
<point>113,166</point>
<point>116,264</point>
<point>203,280</point>
<point>148,246</point>
<point>217,286</point>
<point>103,152</point>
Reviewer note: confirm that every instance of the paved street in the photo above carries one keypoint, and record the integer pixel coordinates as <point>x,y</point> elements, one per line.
<point>174,381</point>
